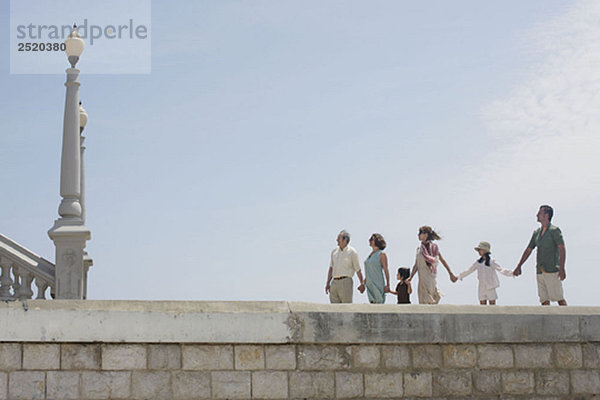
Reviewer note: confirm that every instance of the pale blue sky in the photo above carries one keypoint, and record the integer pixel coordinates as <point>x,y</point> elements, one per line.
<point>266,127</point>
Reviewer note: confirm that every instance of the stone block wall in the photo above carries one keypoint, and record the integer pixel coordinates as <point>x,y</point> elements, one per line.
<point>91,371</point>
<point>68,350</point>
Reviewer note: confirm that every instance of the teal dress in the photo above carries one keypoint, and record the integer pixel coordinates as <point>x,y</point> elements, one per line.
<point>374,278</point>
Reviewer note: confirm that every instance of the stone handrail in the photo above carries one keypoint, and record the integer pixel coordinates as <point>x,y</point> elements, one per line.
<point>279,322</point>
<point>20,269</point>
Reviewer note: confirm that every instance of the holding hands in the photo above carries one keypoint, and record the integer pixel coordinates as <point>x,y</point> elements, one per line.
<point>361,287</point>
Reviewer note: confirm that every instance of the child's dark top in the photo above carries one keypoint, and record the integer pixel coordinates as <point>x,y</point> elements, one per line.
<point>403,296</point>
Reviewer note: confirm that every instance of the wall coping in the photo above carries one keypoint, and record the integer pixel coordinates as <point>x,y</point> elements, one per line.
<point>274,322</point>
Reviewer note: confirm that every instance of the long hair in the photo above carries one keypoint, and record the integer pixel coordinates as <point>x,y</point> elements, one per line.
<point>485,257</point>
<point>431,234</point>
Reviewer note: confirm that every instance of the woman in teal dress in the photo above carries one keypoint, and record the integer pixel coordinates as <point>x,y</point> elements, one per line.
<point>376,266</point>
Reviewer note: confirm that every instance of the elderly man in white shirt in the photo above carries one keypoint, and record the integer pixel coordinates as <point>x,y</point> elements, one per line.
<point>344,263</point>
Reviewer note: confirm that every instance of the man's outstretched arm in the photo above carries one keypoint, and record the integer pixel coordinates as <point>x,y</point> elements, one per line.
<point>524,258</point>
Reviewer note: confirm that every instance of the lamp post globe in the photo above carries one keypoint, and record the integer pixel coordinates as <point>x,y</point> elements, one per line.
<point>74,46</point>
<point>83,118</point>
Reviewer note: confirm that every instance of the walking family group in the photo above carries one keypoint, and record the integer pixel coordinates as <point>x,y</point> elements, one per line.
<point>550,268</point>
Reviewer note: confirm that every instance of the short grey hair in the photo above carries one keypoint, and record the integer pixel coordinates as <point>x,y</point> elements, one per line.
<point>345,235</point>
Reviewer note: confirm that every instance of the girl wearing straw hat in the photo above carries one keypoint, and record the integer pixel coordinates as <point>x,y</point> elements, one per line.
<point>486,274</point>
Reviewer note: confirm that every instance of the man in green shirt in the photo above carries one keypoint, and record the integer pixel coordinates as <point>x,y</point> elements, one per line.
<point>551,255</point>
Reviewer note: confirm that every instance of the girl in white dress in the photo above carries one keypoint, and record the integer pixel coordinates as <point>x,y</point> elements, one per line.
<point>486,274</point>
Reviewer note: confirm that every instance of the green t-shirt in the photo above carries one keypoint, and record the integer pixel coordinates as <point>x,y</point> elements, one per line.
<point>548,255</point>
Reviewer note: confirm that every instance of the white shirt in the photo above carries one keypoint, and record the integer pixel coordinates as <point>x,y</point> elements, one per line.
<point>344,262</point>
<point>488,278</point>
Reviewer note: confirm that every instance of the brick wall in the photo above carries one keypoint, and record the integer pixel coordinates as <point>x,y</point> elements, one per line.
<point>62,371</point>
<point>92,350</point>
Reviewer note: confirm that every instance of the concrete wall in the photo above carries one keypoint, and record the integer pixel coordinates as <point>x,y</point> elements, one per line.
<point>196,350</point>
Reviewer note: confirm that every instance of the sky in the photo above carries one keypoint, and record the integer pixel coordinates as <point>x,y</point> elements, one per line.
<point>264,128</point>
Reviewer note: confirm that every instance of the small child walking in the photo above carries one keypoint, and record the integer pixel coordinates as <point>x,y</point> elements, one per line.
<point>403,289</point>
<point>486,274</point>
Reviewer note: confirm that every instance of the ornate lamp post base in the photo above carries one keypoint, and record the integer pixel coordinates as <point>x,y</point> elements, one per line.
<point>69,236</point>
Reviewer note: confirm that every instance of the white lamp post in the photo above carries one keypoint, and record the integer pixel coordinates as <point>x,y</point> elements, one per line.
<point>83,119</point>
<point>87,260</point>
<point>69,232</point>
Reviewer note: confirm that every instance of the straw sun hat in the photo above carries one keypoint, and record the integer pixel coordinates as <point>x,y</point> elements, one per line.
<point>484,246</point>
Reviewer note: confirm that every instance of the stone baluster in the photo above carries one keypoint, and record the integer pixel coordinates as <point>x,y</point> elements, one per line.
<point>25,292</point>
<point>87,263</point>
<point>41,289</point>
<point>5,279</point>
<point>17,280</point>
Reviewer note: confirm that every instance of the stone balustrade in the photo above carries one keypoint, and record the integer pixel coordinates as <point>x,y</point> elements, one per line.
<point>202,350</point>
<point>21,270</point>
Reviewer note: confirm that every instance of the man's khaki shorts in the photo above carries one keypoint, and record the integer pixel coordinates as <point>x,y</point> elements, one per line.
<point>549,287</point>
